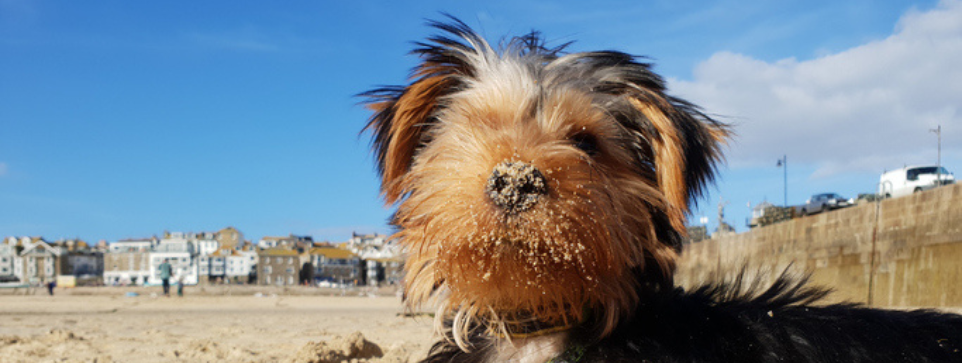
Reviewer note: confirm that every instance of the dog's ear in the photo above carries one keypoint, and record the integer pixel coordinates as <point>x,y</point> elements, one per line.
<point>404,115</point>
<point>674,140</point>
<point>686,146</point>
<point>400,124</point>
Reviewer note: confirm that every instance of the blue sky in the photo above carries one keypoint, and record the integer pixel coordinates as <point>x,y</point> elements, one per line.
<point>124,119</point>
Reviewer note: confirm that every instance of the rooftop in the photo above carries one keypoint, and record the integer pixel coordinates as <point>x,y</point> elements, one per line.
<point>331,252</point>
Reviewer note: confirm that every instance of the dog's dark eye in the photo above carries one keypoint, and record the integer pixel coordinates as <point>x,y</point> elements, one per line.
<point>586,142</point>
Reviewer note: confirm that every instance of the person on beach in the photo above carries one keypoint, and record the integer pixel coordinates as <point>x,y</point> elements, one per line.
<point>165,272</point>
<point>50,285</point>
<point>180,285</point>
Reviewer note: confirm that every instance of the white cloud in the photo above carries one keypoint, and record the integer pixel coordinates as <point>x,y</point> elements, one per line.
<point>867,108</point>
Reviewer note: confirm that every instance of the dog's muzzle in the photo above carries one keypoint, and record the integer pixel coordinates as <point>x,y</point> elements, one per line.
<point>516,186</point>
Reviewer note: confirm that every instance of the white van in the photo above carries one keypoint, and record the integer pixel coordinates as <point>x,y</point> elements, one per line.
<point>912,179</point>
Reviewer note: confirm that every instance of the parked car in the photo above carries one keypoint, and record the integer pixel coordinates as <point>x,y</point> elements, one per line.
<point>913,179</point>
<point>825,201</point>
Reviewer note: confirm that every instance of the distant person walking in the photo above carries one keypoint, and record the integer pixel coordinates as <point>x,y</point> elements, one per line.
<point>50,285</point>
<point>165,273</point>
<point>180,285</point>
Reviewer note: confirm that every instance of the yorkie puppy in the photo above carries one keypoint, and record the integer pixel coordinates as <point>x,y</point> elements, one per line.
<point>541,198</point>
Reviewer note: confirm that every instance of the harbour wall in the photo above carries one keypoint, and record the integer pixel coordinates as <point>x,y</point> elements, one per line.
<point>899,252</point>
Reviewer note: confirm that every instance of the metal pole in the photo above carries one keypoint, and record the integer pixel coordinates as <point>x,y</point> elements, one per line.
<point>785,164</point>
<point>939,160</point>
<point>938,169</point>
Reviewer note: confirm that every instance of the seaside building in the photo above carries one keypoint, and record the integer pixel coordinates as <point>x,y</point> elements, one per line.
<point>84,263</point>
<point>278,266</point>
<point>127,261</point>
<point>230,237</point>
<point>300,243</point>
<point>8,253</point>
<point>179,251</point>
<point>206,242</point>
<point>227,265</point>
<point>383,260</point>
<point>6,264</point>
<point>209,271</point>
<point>203,257</point>
<point>126,268</point>
<point>207,257</point>
<point>336,265</point>
<point>133,245</point>
<point>221,257</point>
<point>269,242</point>
<point>239,265</point>
<point>38,262</point>
<point>385,271</point>
<point>367,246</point>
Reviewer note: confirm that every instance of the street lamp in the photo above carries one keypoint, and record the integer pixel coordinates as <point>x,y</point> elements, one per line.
<point>783,163</point>
<point>938,169</point>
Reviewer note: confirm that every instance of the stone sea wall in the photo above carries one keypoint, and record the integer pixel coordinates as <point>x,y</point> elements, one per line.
<point>901,252</point>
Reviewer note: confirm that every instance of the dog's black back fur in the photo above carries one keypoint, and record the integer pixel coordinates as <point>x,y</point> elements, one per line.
<point>720,323</point>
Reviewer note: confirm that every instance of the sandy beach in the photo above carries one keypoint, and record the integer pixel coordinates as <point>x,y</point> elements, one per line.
<point>212,324</point>
<point>106,325</point>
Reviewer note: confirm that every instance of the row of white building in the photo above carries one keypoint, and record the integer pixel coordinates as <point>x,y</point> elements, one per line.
<point>205,257</point>
<point>223,256</point>
<point>35,260</point>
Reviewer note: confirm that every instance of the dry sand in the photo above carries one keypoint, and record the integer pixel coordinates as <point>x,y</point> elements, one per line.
<point>252,324</point>
<point>104,325</point>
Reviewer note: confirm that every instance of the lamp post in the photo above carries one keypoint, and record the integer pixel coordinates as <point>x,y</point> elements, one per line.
<point>938,169</point>
<point>783,163</point>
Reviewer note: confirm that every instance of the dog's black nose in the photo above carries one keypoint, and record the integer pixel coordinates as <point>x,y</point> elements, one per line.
<point>516,186</point>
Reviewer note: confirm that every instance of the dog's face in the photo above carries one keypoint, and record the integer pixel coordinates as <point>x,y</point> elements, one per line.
<point>532,184</point>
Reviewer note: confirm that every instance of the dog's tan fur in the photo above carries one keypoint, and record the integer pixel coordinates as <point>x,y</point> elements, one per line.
<point>573,253</point>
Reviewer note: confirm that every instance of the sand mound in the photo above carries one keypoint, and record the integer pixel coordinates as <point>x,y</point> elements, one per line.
<point>104,328</point>
<point>207,350</point>
<point>56,345</point>
<point>353,348</point>
<point>61,336</point>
